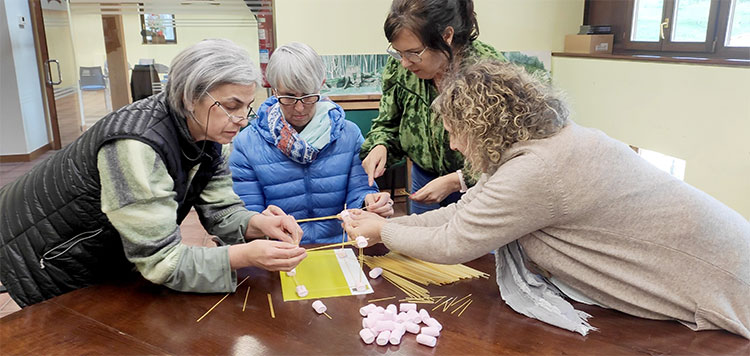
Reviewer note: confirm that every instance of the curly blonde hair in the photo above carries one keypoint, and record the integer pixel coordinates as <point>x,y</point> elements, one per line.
<point>489,105</point>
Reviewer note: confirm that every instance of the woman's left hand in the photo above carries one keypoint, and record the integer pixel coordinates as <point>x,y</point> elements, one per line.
<point>363,223</point>
<point>379,203</point>
<point>437,189</point>
<point>278,227</point>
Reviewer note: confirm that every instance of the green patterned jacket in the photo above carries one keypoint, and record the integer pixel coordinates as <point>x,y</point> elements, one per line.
<point>404,124</point>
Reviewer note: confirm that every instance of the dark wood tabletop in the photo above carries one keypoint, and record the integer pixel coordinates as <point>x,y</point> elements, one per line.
<point>137,317</point>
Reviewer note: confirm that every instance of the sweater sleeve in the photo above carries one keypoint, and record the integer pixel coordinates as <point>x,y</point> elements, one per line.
<point>385,127</point>
<point>138,198</point>
<point>358,187</point>
<point>516,200</point>
<point>221,210</point>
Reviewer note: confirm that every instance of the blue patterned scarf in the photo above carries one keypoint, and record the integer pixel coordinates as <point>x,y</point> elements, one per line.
<point>291,143</point>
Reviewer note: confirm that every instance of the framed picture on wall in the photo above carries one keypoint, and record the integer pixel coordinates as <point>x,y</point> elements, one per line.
<point>158,29</point>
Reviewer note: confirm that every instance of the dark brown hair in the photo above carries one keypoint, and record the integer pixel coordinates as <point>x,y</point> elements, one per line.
<point>427,19</point>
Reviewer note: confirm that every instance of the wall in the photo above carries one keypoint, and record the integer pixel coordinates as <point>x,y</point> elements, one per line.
<point>356,26</point>
<point>23,129</point>
<point>693,112</point>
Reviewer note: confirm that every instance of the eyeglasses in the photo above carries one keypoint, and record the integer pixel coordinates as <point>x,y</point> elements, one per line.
<point>414,57</point>
<point>292,100</point>
<point>236,119</point>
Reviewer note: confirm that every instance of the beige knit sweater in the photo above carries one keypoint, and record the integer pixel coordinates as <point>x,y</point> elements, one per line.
<point>595,215</point>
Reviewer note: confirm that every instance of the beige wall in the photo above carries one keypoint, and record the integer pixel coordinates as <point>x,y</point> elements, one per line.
<point>89,39</point>
<point>246,37</point>
<point>356,26</point>
<point>697,113</point>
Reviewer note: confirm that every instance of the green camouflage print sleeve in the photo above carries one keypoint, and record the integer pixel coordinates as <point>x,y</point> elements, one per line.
<point>385,127</point>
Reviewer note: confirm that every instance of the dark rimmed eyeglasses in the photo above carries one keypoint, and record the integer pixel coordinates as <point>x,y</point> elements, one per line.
<point>236,119</point>
<point>308,99</point>
<point>414,57</point>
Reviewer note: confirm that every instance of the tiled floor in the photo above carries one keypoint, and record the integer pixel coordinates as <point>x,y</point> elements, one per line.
<point>191,229</point>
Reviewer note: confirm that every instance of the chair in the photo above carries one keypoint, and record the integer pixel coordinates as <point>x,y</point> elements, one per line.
<point>142,80</point>
<point>92,78</point>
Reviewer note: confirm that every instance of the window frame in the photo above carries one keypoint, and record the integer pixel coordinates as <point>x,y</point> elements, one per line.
<point>146,41</point>
<point>619,14</point>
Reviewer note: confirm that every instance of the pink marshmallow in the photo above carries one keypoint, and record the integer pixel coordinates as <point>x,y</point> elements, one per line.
<point>426,340</point>
<point>384,325</point>
<point>365,310</point>
<point>413,316</point>
<point>396,335</point>
<point>361,241</point>
<point>411,327</point>
<point>319,307</point>
<point>430,330</point>
<point>434,323</point>
<point>292,273</point>
<point>383,337</point>
<point>405,307</point>
<point>424,314</point>
<point>301,291</point>
<point>367,336</point>
<point>375,272</point>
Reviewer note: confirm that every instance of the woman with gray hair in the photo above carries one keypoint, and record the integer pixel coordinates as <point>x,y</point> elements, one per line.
<point>114,199</point>
<point>573,213</point>
<point>301,154</point>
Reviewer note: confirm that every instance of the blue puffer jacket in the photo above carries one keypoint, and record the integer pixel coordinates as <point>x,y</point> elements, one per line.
<point>263,175</point>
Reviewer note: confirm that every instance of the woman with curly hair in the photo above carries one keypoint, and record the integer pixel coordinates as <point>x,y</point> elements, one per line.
<point>573,213</point>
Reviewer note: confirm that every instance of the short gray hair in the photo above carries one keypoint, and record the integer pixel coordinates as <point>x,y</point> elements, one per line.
<point>296,67</point>
<point>204,66</point>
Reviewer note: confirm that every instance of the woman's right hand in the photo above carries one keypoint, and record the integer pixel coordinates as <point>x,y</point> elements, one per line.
<point>267,254</point>
<point>374,163</point>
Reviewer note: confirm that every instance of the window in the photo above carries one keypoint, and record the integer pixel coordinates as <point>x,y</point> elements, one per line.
<point>158,29</point>
<point>704,26</point>
<point>700,28</point>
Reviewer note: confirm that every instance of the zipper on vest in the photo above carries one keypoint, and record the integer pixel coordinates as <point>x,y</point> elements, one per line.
<point>67,245</point>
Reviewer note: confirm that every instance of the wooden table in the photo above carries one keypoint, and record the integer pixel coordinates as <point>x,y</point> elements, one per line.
<point>137,317</point>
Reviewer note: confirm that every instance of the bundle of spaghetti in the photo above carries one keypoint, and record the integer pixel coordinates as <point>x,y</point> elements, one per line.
<point>409,288</point>
<point>422,272</point>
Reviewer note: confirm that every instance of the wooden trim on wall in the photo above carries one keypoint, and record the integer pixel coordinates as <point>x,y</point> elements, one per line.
<point>357,101</point>
<point>27,157</point>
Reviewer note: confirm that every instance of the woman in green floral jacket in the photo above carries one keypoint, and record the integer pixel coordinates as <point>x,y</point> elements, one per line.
<point>428,37</point>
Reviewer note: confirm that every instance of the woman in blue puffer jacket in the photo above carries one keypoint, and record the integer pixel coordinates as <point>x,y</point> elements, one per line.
<point>300,154</point>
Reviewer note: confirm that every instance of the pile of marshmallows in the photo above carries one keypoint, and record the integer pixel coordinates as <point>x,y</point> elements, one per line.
<point>388,325</point>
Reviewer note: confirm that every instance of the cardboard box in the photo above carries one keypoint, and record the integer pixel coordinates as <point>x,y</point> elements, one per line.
<point>599,44</point>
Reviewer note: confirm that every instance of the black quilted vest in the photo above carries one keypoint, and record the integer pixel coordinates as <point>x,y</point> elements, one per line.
<point>54,237</point>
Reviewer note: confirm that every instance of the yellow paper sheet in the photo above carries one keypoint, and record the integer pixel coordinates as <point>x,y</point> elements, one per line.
<point>322,275</point>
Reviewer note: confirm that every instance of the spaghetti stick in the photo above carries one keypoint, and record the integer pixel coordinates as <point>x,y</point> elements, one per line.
<point>331,246</point>
<point>460,306</point>
<point>329,217</point>
<point>343,233</point>
<point>438,306</point>
<point>270,306</point>
<point>361,265</point>
<point>326,314</point>
<point>467,305</point>
<point>459,301</point>
<point>246,294</point>
<point>381,299</point>
<point>219,302</point>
